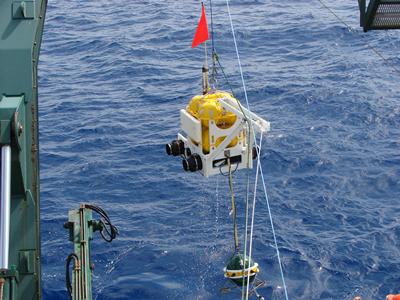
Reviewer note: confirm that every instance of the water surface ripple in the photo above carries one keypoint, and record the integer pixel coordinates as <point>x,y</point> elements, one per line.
<point>113,76</point>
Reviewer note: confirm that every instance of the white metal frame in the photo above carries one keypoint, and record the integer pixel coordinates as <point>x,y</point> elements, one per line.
<point>192,128</point>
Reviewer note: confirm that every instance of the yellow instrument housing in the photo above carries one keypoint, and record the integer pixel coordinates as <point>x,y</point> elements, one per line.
<point>207,108</point>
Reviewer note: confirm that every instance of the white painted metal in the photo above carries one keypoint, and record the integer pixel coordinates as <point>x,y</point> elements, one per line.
<point>191,126</point>
<point>5,204</point>
<point>258,122</point>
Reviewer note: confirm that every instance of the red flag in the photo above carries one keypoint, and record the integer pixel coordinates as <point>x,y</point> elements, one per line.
<point>202,29</point>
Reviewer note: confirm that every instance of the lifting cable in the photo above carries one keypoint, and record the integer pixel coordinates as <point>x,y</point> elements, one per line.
<point>351,29</point>
<point>223,73</point>
<point>215,61</point>
<point>253,214</point>
<point>258,152</point>
<point>247,198</point>
<point>233,211</point>
<point>213,53</point>
<point>246,227</point>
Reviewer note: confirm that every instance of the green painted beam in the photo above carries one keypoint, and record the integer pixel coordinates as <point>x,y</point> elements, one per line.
<point>81,226</point>
<point>21,30</point>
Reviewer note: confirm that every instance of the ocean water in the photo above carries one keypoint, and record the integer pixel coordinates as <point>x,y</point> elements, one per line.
<point>113,77</point>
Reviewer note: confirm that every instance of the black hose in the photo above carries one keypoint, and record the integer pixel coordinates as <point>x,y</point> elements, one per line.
<point>67,275</point>
<point>108,232</point>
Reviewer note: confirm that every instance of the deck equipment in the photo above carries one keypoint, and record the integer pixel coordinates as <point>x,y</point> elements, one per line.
<point>216,127</point>
<point>81,226</point>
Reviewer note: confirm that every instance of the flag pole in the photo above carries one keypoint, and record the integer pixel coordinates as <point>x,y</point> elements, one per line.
<point>206,85</point>
<point>205,54</point>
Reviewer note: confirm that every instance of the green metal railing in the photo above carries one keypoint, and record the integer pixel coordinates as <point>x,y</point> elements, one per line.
<point>379,14</point>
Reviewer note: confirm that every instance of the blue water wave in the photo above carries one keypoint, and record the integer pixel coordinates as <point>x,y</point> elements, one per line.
<point>113,76</point>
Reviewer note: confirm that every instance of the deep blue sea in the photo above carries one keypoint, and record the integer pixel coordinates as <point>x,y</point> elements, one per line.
<point>113,77</point>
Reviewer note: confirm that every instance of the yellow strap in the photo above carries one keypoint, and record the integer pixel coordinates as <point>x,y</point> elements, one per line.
<point>241,273</point>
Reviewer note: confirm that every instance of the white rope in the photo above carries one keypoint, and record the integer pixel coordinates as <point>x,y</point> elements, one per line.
<point>247,104</point>
<point>246,226</point>
<point>273,232</point>
<point>252,215</point>
<point>258,152</point>
<point>237,54</point>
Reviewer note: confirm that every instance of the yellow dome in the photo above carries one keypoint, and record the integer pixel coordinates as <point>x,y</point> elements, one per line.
<point>208,108</point>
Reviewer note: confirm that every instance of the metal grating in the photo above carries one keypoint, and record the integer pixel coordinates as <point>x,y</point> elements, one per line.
<point>382,14</point>
<point>387,15</point>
